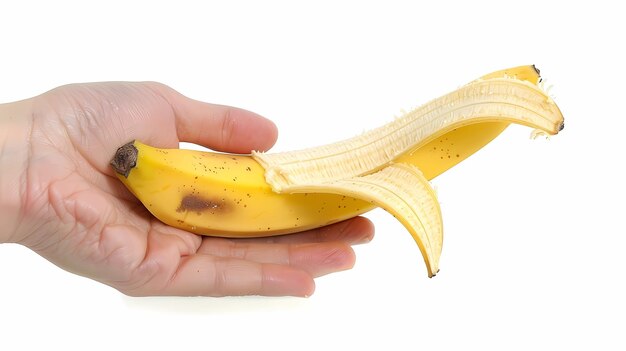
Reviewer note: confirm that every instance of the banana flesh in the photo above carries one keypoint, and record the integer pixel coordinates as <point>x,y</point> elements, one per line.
<point>265,194</point>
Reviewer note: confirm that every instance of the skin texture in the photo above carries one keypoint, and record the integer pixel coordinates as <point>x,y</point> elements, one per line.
<point>61,199</point>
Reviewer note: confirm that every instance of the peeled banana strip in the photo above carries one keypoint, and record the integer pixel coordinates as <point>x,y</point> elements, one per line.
<point>444,150</point>
<point>401,190</point>
<point>496,99</point>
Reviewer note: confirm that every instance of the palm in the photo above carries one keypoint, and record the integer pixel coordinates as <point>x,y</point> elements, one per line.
<point>95,228</point>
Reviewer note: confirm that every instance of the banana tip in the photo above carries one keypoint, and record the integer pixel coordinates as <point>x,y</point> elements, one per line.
<point>537,70</point>
<point>125,159</point>
<point>432,275</point>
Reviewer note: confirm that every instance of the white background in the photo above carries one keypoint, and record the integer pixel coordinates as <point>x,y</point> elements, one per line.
<point>534,229</point>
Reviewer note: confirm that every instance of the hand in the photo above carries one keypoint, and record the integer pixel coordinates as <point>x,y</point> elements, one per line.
<point>79,216</point>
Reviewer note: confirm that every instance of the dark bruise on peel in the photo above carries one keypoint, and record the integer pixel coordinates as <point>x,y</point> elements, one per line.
<point>199,204</point>
<point>125,159</point>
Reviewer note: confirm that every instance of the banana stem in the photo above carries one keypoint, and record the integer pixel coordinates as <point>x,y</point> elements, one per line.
<point>125,159</point>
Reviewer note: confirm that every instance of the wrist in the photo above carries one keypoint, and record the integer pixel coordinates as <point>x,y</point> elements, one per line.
<point>15,121</point>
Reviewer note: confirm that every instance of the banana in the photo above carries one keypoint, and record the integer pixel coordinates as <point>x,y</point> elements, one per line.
<point>265,194</point>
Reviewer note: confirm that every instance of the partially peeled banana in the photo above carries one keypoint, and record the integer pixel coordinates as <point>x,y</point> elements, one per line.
<point>265,194</point>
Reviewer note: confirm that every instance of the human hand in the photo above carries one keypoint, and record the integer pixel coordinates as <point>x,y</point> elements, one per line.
<point>75,213</point>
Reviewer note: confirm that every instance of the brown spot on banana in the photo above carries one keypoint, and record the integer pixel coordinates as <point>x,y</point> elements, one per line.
<point>199,204</point>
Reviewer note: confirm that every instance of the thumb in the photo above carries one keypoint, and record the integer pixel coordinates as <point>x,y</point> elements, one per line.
<point>219,127</point>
